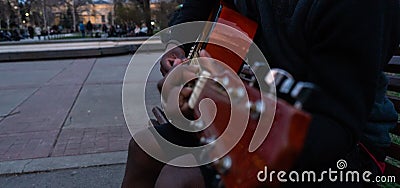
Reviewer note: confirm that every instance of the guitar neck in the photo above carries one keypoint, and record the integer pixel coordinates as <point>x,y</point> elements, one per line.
<point>202,39</point>
<point>234,43</point>
<point>199,86</point>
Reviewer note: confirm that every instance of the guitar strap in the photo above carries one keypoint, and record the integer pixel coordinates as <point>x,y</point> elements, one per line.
<point>381,165</point>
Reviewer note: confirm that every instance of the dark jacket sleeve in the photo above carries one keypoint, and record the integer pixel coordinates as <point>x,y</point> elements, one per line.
<point>349,42</point>
<point>191,10</point>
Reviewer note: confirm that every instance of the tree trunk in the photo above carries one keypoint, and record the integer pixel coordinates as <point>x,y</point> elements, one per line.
<point>44,14</point>
<point>8,23</point>
<point>113,13</point>
<point>146,9</point>
<point>73,16</point>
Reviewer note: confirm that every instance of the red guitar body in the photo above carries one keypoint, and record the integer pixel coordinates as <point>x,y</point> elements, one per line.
<point>278,151</point>
<point>288,125</point>
<point>235,45</point>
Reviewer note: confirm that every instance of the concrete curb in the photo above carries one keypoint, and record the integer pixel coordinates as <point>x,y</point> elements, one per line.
<point>63,54</point>
<point>78,53</point>
<point>64,162</point>
<point>77,40</point>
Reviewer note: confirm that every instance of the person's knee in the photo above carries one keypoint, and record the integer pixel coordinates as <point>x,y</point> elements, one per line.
<point>188,177</point>
<point>135,151</point>
<point>132,144</point>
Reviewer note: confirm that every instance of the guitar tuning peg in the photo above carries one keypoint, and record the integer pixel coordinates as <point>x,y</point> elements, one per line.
<point>257,65</point>
<point>283,82</point>
<point>205,152</point>
<point>199,124</point>
<point>218,181</point>
<point>240,92</point>
<point>286,86</point>
<point>247,73</point>
<point>301,92</point>
<point>204,140</point>
<point>255,108</point>
<point>260,107</point>
<point>277,77</point>
<point>236,93</point>
<point>249,104</point>
<point>225,81</point>
<point>223,165</point>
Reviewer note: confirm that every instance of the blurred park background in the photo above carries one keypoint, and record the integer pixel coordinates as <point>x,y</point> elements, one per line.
<point>62,65</point>
<point>64,19</point>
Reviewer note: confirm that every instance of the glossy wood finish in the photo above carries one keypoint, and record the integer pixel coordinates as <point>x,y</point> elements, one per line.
<point>231,45</point>
<point>278,152</point>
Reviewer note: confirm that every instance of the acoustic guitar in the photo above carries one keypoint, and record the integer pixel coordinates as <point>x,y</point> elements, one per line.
<point>287,126</point>
<point>287,123</point>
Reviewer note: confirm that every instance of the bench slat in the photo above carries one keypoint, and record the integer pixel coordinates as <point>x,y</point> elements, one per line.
<point>396,130</point>
<point>394,65</point>
<point>394,83</point>
<point>394,151</point>
<point>396,102</point>
<point>392,170</point>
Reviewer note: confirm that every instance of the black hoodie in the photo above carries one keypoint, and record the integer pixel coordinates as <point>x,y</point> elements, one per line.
<point>340,45</point>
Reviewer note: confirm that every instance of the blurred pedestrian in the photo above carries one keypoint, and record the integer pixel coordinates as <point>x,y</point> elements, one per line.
<point>89,28</point>
<point>104,28</point>
<point>112,32</point>
<point>137,30</point>
<point>143,30</point>
<point>31,31</point>
<point>38,31</point>
<point>45,33</point>
<point>82,29</point>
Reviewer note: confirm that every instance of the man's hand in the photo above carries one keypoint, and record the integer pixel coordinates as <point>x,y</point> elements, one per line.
<point>176,94</point>
<point>183,106</point>
<point>174,85</point>
<point>178,77</point>
<point>173,56</point>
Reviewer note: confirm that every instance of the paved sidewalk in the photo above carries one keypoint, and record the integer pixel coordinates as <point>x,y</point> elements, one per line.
<point>63,114</point>
<point>100,176</point>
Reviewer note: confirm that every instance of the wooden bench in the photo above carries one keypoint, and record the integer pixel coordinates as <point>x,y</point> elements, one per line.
<point>393,153</point>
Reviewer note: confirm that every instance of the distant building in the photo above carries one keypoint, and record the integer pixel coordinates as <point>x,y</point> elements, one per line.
<point>100,12</point>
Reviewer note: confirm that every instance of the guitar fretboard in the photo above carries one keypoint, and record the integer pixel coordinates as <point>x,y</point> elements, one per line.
<point>198,88</point>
